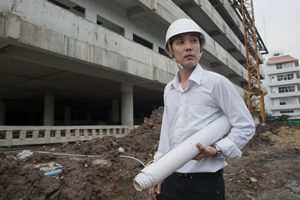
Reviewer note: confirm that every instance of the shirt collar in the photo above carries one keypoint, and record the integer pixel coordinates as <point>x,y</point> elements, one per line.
<point>195,76</point>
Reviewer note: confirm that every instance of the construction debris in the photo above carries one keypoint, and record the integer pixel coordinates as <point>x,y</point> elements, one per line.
<point>268,169</point>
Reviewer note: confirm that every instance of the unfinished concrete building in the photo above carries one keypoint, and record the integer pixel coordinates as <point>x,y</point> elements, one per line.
<point>77,62</point>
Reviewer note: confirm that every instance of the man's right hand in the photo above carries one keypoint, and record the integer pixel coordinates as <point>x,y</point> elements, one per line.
<point>152,192</point>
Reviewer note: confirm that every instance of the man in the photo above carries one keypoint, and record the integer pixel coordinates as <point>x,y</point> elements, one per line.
<point>193,99</point>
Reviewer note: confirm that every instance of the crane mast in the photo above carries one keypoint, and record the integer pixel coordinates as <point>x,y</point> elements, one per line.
<point>255,95</point>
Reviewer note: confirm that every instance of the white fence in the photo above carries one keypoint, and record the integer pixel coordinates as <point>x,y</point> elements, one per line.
<point>29,135</point>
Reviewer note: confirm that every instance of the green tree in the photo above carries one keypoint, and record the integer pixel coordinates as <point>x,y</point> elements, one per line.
<point>284,117</point>
<point>269,117</point>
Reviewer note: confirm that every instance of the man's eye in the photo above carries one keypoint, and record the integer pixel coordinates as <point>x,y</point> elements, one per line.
<point>180,42</point>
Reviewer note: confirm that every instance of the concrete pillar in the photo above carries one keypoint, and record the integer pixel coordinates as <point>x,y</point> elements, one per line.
<point>49,109</point>
<point>2,113</point>
<point>127,105</point>
<point>68,115</point>
<point>115,110</point>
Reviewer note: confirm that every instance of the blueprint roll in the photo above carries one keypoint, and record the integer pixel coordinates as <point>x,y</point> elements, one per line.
<point>157,171</point>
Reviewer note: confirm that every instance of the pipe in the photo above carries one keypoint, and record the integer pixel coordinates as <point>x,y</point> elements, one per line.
<point>90,156</point>
<point>58,171</point>
<point>168,163</point>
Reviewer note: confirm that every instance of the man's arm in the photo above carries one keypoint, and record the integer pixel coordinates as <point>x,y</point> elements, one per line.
<point>164,143</point>
<point>243,128</point>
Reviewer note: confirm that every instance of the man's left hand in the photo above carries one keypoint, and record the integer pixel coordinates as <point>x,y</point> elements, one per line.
<point>208,151</point>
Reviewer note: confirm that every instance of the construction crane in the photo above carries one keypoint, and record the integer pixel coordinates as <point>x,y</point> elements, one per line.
<point>255,95</point>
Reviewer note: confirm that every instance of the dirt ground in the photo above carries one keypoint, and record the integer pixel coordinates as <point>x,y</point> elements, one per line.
<point>268,169</point>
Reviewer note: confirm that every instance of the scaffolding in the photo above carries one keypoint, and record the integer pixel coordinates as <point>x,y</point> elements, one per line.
<point>255,95</point>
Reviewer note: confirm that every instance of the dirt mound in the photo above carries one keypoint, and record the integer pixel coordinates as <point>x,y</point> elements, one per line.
<point>265,167</point>
<point>274,133</point>
<point>107,176</point>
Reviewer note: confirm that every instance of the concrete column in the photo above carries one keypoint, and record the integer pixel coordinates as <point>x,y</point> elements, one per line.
<point>127,105</point>
<point>115,110</point>
<point>67,115</point>
<point>2,113</point>
<point>49,109</point>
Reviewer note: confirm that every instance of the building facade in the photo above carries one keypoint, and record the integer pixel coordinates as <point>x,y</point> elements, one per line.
<point>78,62</point>
<point>283,85</point>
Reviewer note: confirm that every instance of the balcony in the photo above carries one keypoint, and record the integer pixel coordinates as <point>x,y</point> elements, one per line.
<point>284,70</point>
<point>285,82</point>
<point>285,107</point>
<point>282,95</point>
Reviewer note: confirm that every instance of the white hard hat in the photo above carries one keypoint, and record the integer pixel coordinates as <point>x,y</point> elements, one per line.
<point>184,26</point>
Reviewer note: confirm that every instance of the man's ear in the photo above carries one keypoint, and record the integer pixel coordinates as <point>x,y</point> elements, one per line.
<point>169,53</point>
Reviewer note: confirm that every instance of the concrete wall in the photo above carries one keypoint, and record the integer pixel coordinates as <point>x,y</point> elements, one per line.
<point>30,135</point>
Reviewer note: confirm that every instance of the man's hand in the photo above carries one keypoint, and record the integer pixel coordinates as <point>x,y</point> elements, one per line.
<point>152,192</point>
<point>208,151</point>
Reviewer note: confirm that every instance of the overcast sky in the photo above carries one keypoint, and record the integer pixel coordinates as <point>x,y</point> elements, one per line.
<point>278,23</point>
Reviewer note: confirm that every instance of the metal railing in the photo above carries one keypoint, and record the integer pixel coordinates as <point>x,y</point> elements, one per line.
<point>30,135</point>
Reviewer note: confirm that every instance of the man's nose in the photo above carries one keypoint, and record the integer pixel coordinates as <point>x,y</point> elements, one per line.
<point>188,46</point>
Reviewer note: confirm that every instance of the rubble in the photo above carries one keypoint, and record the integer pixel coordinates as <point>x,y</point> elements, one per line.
<point>268,169</point>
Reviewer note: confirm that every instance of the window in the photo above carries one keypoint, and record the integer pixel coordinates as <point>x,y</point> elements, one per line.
<point>282,103</point>
<point>279,66</point>
<point>286,111</point>
<point>286,89</point>
<point>290,76</point>
<point>142,41</point>
<point>74,8</point>
<point>110,25</point>
<point>285,77</point>
<point>162,51</point>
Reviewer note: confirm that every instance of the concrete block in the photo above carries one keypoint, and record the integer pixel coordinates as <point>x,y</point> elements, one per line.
<point>22,135</point>
<point>35,134</point>
<point>13,26</point>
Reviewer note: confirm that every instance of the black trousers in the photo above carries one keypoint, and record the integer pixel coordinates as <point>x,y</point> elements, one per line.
<point>177,187</point>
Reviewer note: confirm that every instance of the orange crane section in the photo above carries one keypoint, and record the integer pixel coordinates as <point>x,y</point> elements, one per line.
<point>255,96</point>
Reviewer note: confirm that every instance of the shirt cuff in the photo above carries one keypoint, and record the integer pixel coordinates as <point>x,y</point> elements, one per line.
<point>229,149</point>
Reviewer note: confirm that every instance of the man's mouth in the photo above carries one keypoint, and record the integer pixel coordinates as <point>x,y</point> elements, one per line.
<point>188,56</point>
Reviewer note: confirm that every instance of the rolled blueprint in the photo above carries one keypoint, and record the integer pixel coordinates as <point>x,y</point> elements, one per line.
<point>157,171</point>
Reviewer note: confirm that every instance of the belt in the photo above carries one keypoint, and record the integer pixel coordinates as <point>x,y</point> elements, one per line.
<point>201,175</point>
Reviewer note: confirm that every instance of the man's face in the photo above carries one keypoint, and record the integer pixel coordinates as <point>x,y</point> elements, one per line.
<point>186,48</point>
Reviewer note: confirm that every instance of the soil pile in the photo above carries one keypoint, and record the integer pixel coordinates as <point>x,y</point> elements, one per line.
<point>268,169</point>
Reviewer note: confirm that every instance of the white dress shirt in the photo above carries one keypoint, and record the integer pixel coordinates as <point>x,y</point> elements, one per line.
<point>208,95</point>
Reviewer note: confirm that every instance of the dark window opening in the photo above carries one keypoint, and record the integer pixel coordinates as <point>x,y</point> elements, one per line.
<point>287,111</point>
<point>142,41</point>
<point>279,66</point>
<point>163,52</point>
<point>60,4</point>
<point>79,9</point>
<point>110,25</point>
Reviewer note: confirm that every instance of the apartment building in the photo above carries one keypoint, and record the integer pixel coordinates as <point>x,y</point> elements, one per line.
<point>283,85</point>
<point>78,62</point>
